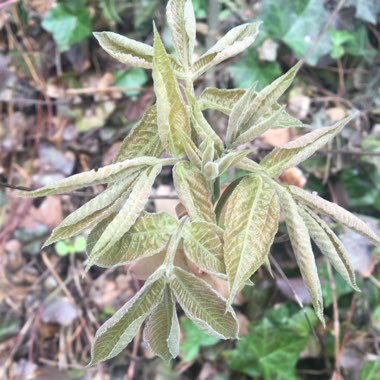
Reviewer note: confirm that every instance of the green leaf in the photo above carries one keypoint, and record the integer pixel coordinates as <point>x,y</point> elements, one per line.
<point>194,340</point>
<point>143,140</point>
<point>205,307</point>
<point>161,331</point>
<point>222,100</point>
<point>133,78</point>
<point>182,26</point>
<point>68,26</point>
<point>80,244</point>
<point>148,236</point>
<point>116,333</point>
<point>230,160</point>
<point>298,150</point>
<point>106,174</point>
<point>61,248</point>
<point>370,370</point>
<point>251,106</point>
<point>329,244</point>
<point>125,50</point>
<point>127,216</point>
<point>93,211</point>
<point>335,212</point>
<point>193,192</point>
<point>301,244</point>
<point>251,222</point>
<point>172,117</point>
<point>203,245</point>
<point>234,42</point>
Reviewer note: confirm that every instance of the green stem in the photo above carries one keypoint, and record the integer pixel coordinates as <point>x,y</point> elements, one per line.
<point>173,245</point>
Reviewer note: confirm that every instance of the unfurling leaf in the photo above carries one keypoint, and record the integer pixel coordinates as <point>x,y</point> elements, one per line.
<point>143,140</point>
<point>251,222</point>
<point>251,106</point>
<point>116,333</point>
<point>93,211</point>
<point>329,244</point>
<point>106,174</point>
<point>203,245</point>
<point>148,236</point>
<point>231,44</point>
<point>301,244</point>
<point>125,50</point>
<point>182,26</point>
<point>161,331</point>
<point>335,212</point>
<point>296,151</point>
<point>127,216</point>
<point>172,117</point>
<point>208,152</point>
<point>203,305</point>
<point>193,192</point>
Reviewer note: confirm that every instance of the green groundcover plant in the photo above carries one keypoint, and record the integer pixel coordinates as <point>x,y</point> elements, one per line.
<point>229,234</point>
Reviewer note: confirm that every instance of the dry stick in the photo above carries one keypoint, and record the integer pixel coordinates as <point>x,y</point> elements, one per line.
<point>296,297</point>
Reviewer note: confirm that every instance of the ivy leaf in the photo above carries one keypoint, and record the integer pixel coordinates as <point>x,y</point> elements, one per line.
<point>231,44</point>
<point>329,244</point>
<point>106,174</point>
<point>251,222</point>
<point>296,151</point>
<point>193,192</point>
<point>172,117</point>
<point>116,333</point>
<point>251,106</point>
<point>335,212</point>
<point>203,305</point>
<point>203,245</point>
<point>182,26</point>
<point>161,331</point>
<point>148,236</point>
<point>93,211</point>
<point>68,26</point>
<point>127,216</point>
<point>126,50</point>
<point>143,140</point>
<point>301,244</point>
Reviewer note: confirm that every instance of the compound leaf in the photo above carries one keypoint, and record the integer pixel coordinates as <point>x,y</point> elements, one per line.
<point>251,222</point>
<point>182,26</point>
<point>148,236</point>
<point>172,117</point>
<point>193,192</point>
<point>203,245</point>
<point>116,333</point>
<point>296,151</point>
<point>161,331</point>
<point>143,140</point>
<point>125,50</point>
<point>329,244</point>
<point>205,307</point>
<point>335,212</point>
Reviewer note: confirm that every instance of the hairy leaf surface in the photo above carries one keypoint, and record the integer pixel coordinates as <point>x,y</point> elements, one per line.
<point>329,244</point>
<point>222,100</point>
<point>203,245</point>
<point>193,192</point>
<point>334,211</point>
<point>125,50</point>
<point>116,333</point>
<point>301,244</point>
<point>127,216</point>
<point>106,174</point>
<point>182,26</point>
<point>251,222</point>
<point>203,305</point>
<point>94,211</point>
<point>148,236</point>
<point>231,44</point>
<point>143,140</point>
<point>296,151</point>
<point>172,117</point>
<point>161,331</point>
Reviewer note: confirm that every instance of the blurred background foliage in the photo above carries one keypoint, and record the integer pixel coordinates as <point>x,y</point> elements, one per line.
<point>65,107</point>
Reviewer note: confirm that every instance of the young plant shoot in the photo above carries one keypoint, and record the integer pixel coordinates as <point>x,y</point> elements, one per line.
<point>226,235</point>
